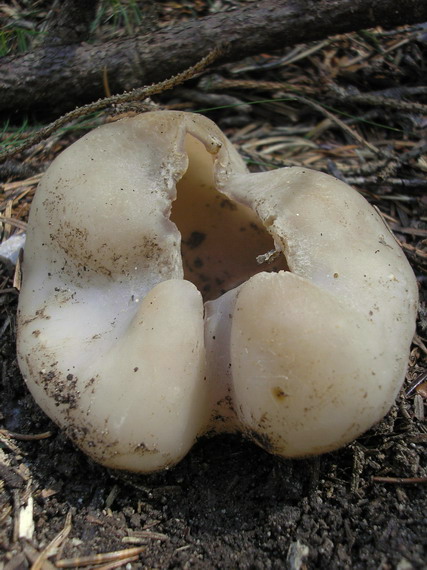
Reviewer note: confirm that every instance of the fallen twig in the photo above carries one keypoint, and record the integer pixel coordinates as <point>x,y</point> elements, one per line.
<point>134,95</point>
<point>400,480</point>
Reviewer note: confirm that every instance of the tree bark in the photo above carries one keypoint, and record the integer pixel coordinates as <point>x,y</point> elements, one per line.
<point>59,77</point>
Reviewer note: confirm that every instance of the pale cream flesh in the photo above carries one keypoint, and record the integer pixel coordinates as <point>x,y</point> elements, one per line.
<point>168,292</point>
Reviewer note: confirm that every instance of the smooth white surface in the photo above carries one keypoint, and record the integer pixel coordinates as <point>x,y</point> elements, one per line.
<point>118,348</point>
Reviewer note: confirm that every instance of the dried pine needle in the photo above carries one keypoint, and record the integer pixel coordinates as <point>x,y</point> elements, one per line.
<point>100,558</point>
<point>53,545</point>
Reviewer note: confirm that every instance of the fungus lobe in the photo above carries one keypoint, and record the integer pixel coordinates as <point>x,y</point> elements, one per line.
<point>168,292</point>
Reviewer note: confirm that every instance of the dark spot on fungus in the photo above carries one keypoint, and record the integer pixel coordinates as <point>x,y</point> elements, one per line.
<point>228,204</point>
<point>278,393</point>
<point>195,239</point>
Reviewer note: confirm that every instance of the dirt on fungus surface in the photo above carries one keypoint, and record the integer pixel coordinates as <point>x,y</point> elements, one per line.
<point>229,504</point>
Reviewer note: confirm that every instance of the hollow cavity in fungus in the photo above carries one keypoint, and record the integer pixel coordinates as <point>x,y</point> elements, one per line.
<point>167,293</point>
<point>223,242</point>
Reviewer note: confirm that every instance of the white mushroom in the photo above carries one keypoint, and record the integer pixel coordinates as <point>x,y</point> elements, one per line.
<point>145,319</point>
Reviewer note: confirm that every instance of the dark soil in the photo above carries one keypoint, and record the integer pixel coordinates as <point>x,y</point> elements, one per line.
<point>228,504</point>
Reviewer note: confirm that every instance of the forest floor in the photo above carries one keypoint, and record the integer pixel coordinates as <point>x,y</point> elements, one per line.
<point>354,106</point>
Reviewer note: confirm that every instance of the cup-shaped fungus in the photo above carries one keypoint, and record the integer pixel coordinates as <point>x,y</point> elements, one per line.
<point>168,292</point>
